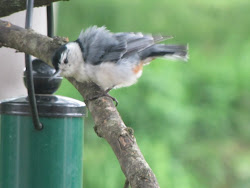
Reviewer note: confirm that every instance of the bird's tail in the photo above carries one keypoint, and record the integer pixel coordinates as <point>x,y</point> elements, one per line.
<point>176,52</point>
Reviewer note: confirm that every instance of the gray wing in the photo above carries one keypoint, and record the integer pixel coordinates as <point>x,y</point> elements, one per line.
<point>100,45</point>
<point>137,42</point>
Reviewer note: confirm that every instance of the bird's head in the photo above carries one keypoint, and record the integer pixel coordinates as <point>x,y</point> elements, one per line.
<point>66,59</point>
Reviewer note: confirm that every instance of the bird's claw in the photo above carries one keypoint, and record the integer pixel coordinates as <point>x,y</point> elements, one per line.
<point>105,94</point>
<point>113,98</point>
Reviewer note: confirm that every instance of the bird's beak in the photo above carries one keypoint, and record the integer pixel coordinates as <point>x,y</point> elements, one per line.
<point>57,73</point>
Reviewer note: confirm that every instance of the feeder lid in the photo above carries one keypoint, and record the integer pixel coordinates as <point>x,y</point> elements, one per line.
<point>48,106</point>
<point>42,73</point>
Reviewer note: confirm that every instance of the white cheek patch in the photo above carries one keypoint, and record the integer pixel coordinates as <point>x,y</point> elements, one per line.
<point>64,56</point>
<point>75,65</point>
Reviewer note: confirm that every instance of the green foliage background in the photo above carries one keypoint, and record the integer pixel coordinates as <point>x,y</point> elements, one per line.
<point>191,120</point>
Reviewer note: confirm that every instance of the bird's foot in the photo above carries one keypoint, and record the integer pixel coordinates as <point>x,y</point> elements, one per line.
<point>113,98</point>
<point>104,94</point>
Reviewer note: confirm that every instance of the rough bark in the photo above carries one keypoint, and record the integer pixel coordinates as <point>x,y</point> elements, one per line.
<point>108,123</point>
<point>8,7</point>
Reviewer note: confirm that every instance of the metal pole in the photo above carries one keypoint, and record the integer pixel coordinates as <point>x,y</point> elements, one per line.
<point>50,21</point>
<point>28,64</point>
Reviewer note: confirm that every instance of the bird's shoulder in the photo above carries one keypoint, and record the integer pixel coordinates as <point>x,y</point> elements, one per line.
<point>100,45</point>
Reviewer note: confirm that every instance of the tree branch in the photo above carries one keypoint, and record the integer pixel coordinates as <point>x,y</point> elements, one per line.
<point>108,123</point>
<point>8,7</point>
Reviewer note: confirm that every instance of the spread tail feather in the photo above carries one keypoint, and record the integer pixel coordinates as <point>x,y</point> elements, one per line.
<point>176,52</point>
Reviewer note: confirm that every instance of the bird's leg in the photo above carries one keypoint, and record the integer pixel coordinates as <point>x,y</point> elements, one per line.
<point>104,94</point>
<point>108,95</point>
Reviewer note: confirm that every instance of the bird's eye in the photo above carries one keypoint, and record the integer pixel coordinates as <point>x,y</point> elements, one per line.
<point>66,61</point>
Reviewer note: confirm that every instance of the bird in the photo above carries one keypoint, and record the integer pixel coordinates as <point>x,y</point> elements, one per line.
<point>112,60</point>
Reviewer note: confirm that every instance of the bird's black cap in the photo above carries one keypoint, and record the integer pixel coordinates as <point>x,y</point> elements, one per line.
<point>57,56</point>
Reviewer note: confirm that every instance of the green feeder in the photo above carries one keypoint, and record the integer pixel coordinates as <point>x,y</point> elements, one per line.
<point>48,158</point>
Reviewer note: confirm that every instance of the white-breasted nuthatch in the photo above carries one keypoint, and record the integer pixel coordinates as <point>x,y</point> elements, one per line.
<point>112,60</point>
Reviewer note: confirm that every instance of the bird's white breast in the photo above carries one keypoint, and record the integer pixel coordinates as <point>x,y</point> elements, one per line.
<point>109,75</point>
